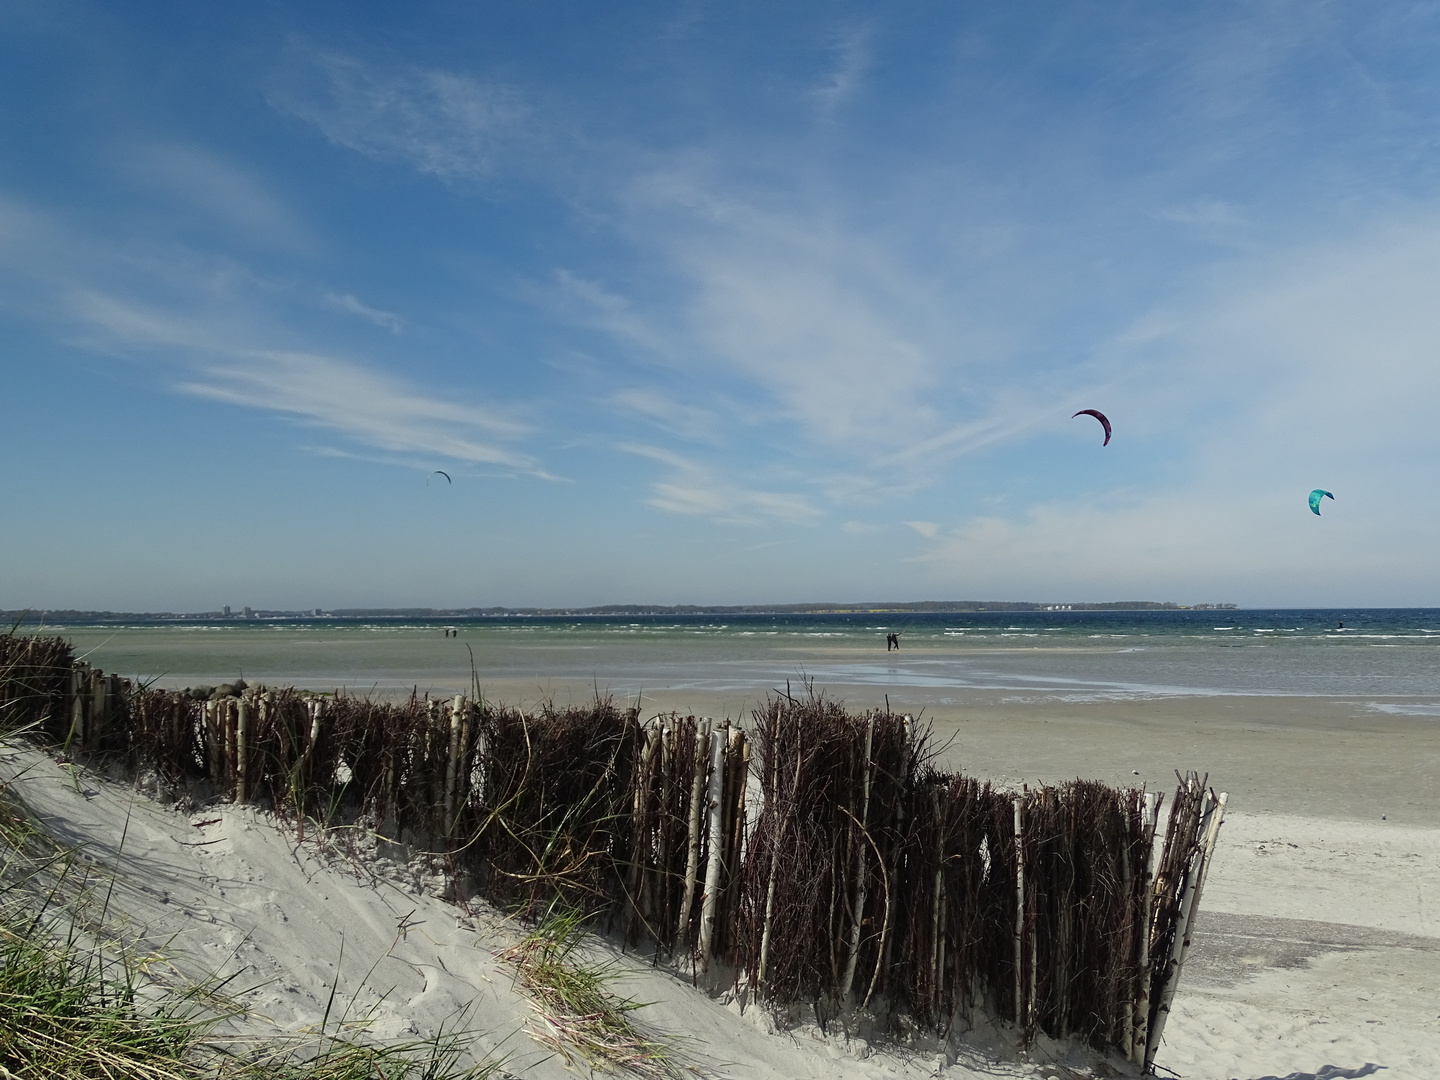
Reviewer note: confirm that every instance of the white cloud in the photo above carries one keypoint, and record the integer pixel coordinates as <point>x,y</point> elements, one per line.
<point>695,490</point>
<point>928,529</point>
<point>819,318</point>
<point>852,62</point>
<point>331,392</point>
<point>373,408</point>
<point>1205,214</point>
<point>444,124</point>
<point>215,329</point>
<point>218,188</point>
<point>971,436</point>
<point>590,303</point>
<point>664,412</point>
<point>351,305</point>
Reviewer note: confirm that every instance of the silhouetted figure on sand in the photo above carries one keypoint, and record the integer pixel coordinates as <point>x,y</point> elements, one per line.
<point>892,641</point>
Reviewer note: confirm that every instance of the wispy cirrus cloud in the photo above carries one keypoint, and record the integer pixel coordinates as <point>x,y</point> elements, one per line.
<point>819,324</point>
<point>852,60</point>
<point>367,406</point>
<point>817,317</point>
<point>352,305</point>
<point>224,192</point>
<point>663,411</point>
<point>442,123</point>
<point>694,489</point>
<point>330,392</point>
<point>590,303</point>
<point>220,332</point>
<point>971,436</point>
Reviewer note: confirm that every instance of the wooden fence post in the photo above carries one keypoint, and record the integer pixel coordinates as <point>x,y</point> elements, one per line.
<point>781,818</point>
<point>1148,819</point>
<point>1019,918</point>
<point>452,764</point>
<point>692,858</point>
<point>861,841</point>
<point>79,685</point>
<point>242,748</point>
<point>715,856</point>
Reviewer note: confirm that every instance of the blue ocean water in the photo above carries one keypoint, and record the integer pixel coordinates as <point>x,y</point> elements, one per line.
<point>1388,654</point>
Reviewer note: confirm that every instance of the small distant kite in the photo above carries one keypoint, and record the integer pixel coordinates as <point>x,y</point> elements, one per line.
<point>439,472</point>
<point>1315,497</point>
<point>1098,415</point>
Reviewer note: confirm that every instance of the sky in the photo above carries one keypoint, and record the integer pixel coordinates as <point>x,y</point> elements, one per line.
<point>717,303</point>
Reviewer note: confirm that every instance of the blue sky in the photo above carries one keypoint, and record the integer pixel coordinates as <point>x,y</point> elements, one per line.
<point>717,303</point>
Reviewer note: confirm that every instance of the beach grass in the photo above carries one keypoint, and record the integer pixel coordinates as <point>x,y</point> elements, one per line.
<point>76,1003</point>
<point>577,1013</point>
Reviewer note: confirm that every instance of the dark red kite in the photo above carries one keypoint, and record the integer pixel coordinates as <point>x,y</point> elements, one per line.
<point>1098,415</point>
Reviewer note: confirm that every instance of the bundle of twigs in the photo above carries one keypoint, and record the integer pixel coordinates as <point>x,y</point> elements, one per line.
<point>166,733</point>
<point>825,858</point>
<point>35,677</point>
<point>552,808</point>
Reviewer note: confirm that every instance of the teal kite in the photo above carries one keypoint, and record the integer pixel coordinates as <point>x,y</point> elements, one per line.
<point>1315,497</point>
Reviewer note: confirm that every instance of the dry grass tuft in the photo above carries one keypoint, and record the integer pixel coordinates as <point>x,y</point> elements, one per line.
<point>576,1014</point>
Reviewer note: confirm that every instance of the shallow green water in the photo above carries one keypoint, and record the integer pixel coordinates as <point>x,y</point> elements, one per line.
<point>1386,654</point>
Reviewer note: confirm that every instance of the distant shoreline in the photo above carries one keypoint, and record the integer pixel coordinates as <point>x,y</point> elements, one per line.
<point>36,615</point>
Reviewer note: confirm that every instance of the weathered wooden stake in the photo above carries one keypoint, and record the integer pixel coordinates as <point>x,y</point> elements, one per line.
<point>739,776</point>
<point>667,795</point>
<point>1124,1007</point>
<point>639,819</point>
<point>692,858</point>
<point>937,908</point>
<point>714,857</point>
<point>452,765</point>
<point>77,705</point>
<point>782,819</point>
<point>858,920</point>
<point>1148,819</point>
<point>1019,919</point>
<point>242,724</point>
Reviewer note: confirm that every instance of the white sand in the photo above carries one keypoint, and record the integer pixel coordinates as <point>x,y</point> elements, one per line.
<point>1319,943</point>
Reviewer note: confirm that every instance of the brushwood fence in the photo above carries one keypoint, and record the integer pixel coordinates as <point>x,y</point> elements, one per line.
<point>815,856</point>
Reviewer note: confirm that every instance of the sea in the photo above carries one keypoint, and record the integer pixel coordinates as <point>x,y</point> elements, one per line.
<point>1389,657</point>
